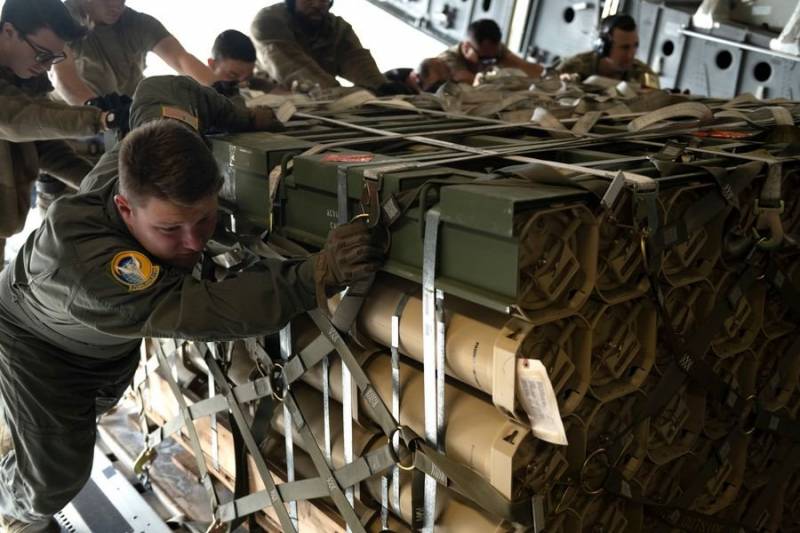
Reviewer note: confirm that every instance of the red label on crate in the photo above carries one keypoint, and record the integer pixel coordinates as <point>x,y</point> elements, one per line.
<point>348,158</point>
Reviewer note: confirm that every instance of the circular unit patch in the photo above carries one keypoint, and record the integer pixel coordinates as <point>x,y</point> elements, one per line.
<point>134,270</point>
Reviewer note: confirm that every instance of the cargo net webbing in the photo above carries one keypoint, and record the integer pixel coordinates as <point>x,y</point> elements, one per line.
<point>680,398</point>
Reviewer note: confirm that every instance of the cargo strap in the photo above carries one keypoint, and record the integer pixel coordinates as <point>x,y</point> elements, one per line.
<point>194,439</point>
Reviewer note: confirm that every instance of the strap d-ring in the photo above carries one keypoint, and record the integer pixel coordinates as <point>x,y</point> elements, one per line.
<point>600,452</point>
<point>751,415</point>
<point>393,453</point>
<point>277,382</point>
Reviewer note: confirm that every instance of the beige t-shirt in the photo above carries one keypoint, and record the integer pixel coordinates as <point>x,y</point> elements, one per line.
<point>112,58</point>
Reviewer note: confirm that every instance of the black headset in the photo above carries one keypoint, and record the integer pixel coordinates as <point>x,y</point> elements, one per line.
<point>607,26</point>
<point>290,5</point>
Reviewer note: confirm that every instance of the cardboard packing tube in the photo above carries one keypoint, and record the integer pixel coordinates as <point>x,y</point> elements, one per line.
<point>476,434</point>
<point>481,346</point>
<point>453,515</point>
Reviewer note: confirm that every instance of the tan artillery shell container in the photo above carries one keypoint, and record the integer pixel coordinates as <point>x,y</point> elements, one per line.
<point>476,433</point>
<point>453,514</point>
<point>482,346</point>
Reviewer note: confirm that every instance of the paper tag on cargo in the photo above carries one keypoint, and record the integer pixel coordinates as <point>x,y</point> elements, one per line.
<point>535,393</point>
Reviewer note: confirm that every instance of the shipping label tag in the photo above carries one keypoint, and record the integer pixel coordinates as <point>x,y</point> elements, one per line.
<point>536,394</point>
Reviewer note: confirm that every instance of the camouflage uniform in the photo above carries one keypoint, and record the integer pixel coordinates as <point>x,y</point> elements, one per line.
<point>456,60</point>
<point>585,65</point>
<point>288,52</point>
<point>82,293</point>
<point>111,59</point>
<point>31,131</point>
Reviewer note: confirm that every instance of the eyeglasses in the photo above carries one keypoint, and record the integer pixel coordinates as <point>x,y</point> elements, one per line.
<point>43,55</point>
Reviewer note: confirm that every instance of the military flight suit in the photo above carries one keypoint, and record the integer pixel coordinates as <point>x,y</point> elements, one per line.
<point>111,58</point>
<point>31,129</point>
<point>289,52</point>
<point>78,299</point>
<point>455,59</point>
<point>585,65</point>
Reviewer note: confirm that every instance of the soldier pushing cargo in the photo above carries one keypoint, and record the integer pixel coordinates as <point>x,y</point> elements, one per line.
<point>33,37</point>
<point>112,265</point>
<point>300,41</point>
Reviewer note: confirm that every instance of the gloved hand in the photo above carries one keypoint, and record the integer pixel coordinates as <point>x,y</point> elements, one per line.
<point>227,88</point>
<point>351,253</point>
<point>262,118</point>
<point>392,88</point>
<point>118,109</point>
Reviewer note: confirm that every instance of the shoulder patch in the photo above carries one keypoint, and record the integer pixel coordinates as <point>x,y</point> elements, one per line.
<point>180,114</point>
<point>134,270</point>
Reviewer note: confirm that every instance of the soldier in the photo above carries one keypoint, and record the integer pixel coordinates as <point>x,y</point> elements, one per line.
<point>300,41</point>
<point>233,63</point>
<point>614,56</point>
<point>482,50</point>
<point>112,265</point>
<point>433,73</point>
<point>111,58</point>
<point>32,38</point>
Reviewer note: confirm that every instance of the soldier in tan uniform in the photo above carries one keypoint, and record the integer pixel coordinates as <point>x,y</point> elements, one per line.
<point>300,41</point>
<point>482,50</point>
<point>233,62</point>
<point>111,58</point>
<point>32,37</point>
<point>614,56</point>
<point>113,264</point>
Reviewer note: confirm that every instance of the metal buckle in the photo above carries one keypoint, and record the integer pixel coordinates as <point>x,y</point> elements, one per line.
<point>769,218</point>
<point>600,452</point>
<point>278,383</point>
<point>411,447</point>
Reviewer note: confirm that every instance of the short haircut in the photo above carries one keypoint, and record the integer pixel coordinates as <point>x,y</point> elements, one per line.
<point>29,16</point>
<point>166,159</point>
<point>618,22</point>
<point>484,30</point>
<point>233,44</point>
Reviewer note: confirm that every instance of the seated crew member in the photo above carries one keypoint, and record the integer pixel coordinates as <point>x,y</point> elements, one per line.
<point>112,265</point>
<point>482,50</point>
<point>614,56</point>
<point>233,63</point>
<point>33,34</point>
<point>300,41</point>
<point>110,59</point>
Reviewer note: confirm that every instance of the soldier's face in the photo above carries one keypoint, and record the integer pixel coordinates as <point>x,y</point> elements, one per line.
<point>232,69</point>
<point>623,48</point>
<point>312,10</point>
<point>175,234</point>
<point>484,52</point>
<point>105,11</point>
<point>33,54</point>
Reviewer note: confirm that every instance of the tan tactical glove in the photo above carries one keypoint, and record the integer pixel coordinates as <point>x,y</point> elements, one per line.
<point>351,253</point>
